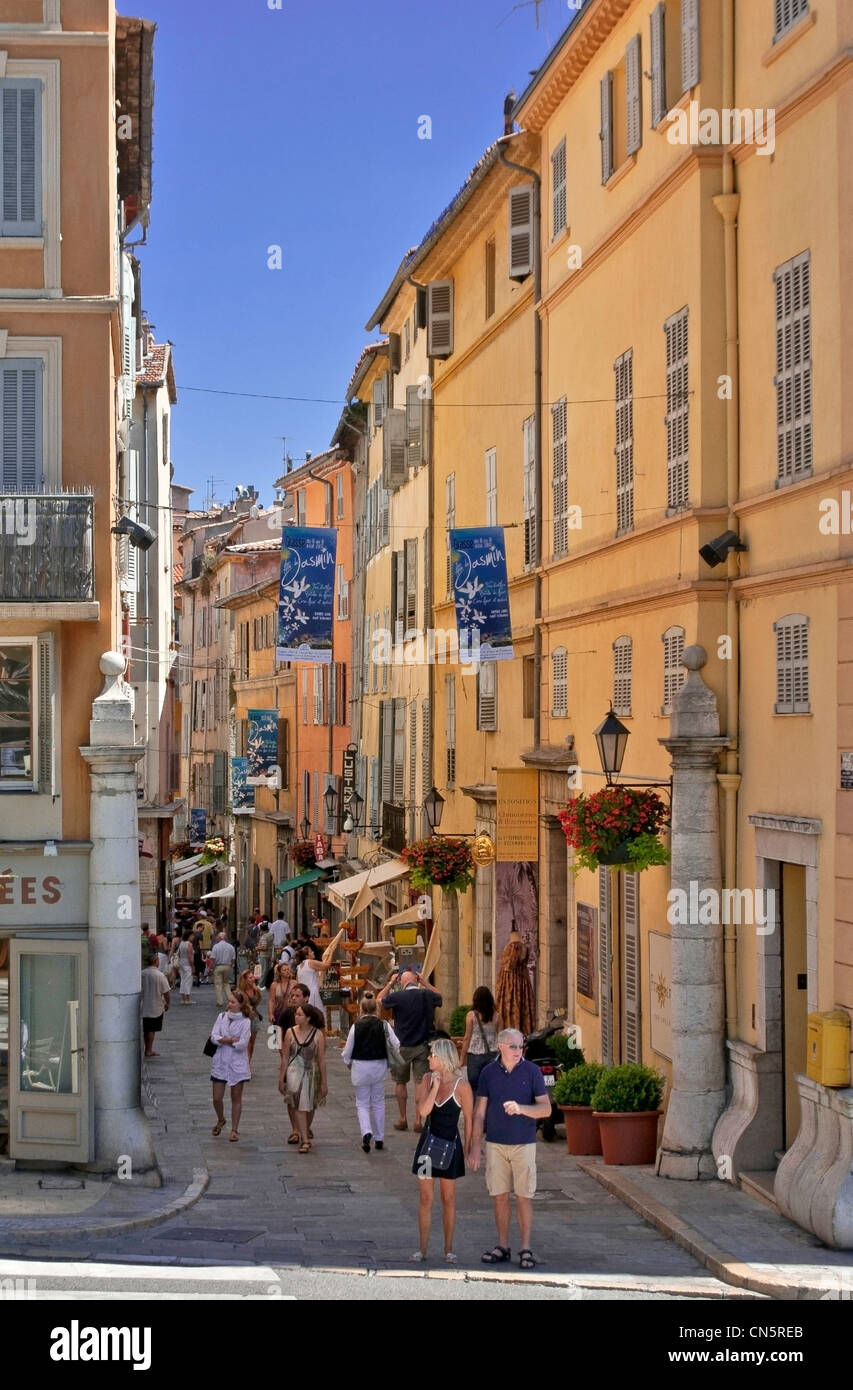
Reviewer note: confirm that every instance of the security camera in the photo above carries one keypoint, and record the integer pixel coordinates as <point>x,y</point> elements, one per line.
<point>715,552</point>
<point>140,536</point>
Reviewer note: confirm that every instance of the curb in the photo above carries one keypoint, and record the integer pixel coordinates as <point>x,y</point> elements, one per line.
<point>109,1225</point>
<point>721,1263</point>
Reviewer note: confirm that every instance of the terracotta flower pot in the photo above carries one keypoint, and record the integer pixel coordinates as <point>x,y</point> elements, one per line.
<point>582,1133</point>
<point>628,1137</point>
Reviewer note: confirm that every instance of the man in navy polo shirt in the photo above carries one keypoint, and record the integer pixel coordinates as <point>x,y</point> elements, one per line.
<point>511,1097</point>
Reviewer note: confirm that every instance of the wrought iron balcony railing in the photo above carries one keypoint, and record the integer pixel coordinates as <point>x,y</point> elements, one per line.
<point>46,547</point>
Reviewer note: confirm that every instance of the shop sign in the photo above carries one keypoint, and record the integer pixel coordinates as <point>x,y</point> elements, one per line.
<point>348,771</point>
<point>39,893</point>
<point>319,848</point>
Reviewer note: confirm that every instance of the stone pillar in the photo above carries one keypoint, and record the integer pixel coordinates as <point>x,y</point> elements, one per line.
<point>447,974</point>
<point>698,989</point>
<point>484,796</point>
<point>554,988</point>
<point>121,1129</point>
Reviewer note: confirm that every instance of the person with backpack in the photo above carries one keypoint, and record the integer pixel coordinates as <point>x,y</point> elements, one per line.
<point>369,1047</point>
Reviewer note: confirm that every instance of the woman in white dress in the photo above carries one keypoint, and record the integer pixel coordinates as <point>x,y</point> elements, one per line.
<point>184,953</point>
<point>308,973</point>
<point>231,1033</point>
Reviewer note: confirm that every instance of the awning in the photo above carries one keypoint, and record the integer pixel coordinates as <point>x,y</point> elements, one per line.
<point>310,876</point>
<point>224,892</point>
<point>199,869</point>
<point>388,872</point>
<point>400,919</point>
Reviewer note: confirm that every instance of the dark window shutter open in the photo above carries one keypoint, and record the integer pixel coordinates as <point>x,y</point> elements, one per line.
<point>689,44</point>
<point>414,427</point>
<point>420,315</point>
<point>521,231</point>
<point>657,21</point>
<point>395,466</point>
<point>394,355</point>
<point>606,132</point>
<point>411,561</point>
<point>634,95</point>
<point>440,318</point>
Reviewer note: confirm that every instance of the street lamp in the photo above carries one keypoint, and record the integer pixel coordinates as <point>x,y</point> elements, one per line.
<point>434,809</point>
<point>305,827</point>
<point>330,797</point>
<point>612,738</point>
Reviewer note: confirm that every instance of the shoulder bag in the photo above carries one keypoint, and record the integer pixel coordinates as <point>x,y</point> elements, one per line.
<point>210,1046</point>
<point>439,1151</point>
<point>393,1054</point>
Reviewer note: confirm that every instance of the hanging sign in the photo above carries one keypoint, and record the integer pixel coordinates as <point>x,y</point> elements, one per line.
<point>198,825</point>
<point>518,815</point>
<point>481,593</point>
<point>242,795</point>
<point>319,848</point>
<point>348,769</point>
<point>306,594</point>
<point>261,745</point>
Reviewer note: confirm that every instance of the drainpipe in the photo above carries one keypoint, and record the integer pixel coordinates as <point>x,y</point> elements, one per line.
<point>537,435</point>
<point>727,205</point>
<point>149,784</point>
<point>330,499</point>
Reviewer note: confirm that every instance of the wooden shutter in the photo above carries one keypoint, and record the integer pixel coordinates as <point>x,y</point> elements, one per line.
<point>450,509</point>
<point>657,36</point>
<point>606,132</point>
<point>440,318</point>
<point>558,189</point>
<point>633,1034</point>
<point>674,674</point>
<point>604,972</point>
<point>491,461</point>
<point>331,704</point>
<point>395,466</point>
<point>413,753</point>
<point>490,272</point>
<point>793,380</point>
<point>22,387</point>
<point>487,696</point>
<point>374,791</point>
<point>219,768</point>
<point>450,729</point>
<point>386,748</point>
<point>399,787</point>
<point>394,356</point>
<point>20,139</point>
<point>378,403</point>
<point>284,752</point>
<point>47,765</point>
<point>426,756</point>
<point>427,580</point>
<point>786,13</point>
<point>634,95</point>
<point>559,478</point>
<point>624,451</point>
<point>622,675</point>
<point>792,664</point>
<point>384,516</point>
<point>689,44</point>
<point>529,484</point>
<point>414,427</point>
<point>677,412</point>
<point>411,562</point>
<point>560,683</point>
<point>521,247</point>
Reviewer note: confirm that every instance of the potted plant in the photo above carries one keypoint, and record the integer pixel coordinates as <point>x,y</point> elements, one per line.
<point>617,826</point>
<point>214,852</point>
<point>566,1051</point>
<point>440,860</point>
<point>303,854</point>
<point>626,1103</point>
<point>573,1095</point>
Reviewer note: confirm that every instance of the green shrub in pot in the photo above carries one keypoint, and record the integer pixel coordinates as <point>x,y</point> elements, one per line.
<point>575,1087</point>
<point>628,1088</point>
<point>567,1053</point>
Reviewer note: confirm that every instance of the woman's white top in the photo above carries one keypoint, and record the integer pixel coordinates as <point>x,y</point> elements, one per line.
<point>231,1063</point>
<point>306,976</point>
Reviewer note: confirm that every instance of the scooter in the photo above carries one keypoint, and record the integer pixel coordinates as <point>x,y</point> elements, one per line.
<point>538,1051</point>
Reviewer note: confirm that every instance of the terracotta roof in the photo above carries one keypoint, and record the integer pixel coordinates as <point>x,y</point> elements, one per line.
<point>157,370</point>
<point>361,366</point>
<point>274,543</point>
<point>178,572</point>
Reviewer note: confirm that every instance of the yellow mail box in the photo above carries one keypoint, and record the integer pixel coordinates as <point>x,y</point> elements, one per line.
<point>828,1060</point>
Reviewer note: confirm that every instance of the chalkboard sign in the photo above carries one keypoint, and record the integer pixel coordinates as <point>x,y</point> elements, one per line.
<point>586,953</point>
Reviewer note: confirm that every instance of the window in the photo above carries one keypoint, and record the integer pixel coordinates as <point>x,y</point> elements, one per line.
<point>450,729</point>
<point>339,496</point>
<point>792,664</point>
<point>633,97</point>
<point>241,666</point>
<point>379,402</point>
<point>219,771</point>
<point>284,752</point>
<point>374,791</point>
<point>410,551</point>
<point>375,663</point>
<point>343,594</point>
<point>605,134</point>
<point>689,44</point>
<point>339,704</point>
<point>414,427</point>
<point>301,512</point>
<point>657,47</point>
<point>623,657</point>
<point>677,420</point>
<point>386,749</point>
<point>28,757</point>
<point>491,487</point>
<point>365,655</point>
<point>528,679</point>
<point>20,142</point>
<point>624,451</point>
<point>319,716</point>
<point>559,683</point>
<point>785,15</point>
<point>529,485</point>
<point>399,783</point>
<point>386,664</point>
<point>558,190</point>
<point>487,696</point>
<point>413,767</point>
<point>450,509</point>
<point>674,673</point>
<point>489,270</point>
<point>328,517</point>
<point>304,694</point>
<point>559,478</point>
<point>793,378</point>
<point>440,318</point>
<point>21,384</point>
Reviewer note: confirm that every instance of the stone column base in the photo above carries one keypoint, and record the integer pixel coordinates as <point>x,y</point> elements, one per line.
<point>814,1182</point>
<point>121,1135</point>
<point>748,1132</point>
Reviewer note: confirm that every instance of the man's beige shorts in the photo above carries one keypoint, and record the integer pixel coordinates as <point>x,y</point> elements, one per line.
<point>511,1168</point>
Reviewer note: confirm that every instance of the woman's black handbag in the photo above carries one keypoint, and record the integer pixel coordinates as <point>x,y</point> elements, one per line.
<point>209,1048</point>
<point>439,1152</point>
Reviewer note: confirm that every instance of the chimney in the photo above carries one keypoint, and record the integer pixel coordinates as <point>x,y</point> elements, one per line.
<point>509,103</point>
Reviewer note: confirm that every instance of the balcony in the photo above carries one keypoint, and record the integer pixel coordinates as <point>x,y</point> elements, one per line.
<point>47,555</point>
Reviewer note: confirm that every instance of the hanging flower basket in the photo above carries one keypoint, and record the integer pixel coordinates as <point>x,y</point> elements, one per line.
<point>618,827</point>
<point>440,861</point>
<point>303,854</point>
<point>214,852</point>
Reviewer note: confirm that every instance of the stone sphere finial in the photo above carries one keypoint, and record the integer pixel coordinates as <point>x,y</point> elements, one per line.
<point>112,664</point>
<point>694,658</point>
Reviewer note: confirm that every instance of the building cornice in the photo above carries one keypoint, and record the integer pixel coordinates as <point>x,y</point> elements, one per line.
<point>792,577</point>
<point>38,303</point>
<point>811,94</point>
<point>567,62</point>
<point>818,482</point>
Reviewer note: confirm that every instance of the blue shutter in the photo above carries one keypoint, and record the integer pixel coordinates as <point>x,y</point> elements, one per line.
<point>21,393</point>
<point>20,140</point>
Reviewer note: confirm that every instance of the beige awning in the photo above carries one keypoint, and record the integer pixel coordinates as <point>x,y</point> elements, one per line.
<point>407,916</point>
<point>388,872</point>
<point>223,892</point>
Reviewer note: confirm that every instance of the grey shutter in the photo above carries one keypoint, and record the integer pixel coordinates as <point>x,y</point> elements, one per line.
<point>427,577</point>
<point>47,769</point>
<point>23,465</point>
<point>411,553</point>
<point>20,115</point>
<point>332,668</point>
<point>487,697</point>
<point>450,729</point>
<point>786,13</point>
<point>606,132</point>
<point>622,675</point>
<point>414,427</point>
<point>386,748</point>
<point>604,973</point>
<point>677,413</point>
<point>529,483</point>
<point>219,770</point>
<point>398,594</point>
<point>689,44</point>
<point>560,683</point>
<point>633,1035</point>
<point>634,95</point>
<point>657,20</point>
<point>384,516</point>
<point>558,189</point>
<point>395,466</point>
<point>426,758</point>
<point>399,787</point>
<point>440,318</point>
<point>413,754</point>
<point>520,231</point>
<point>793,380</point>
<point>792,665</point>
<point>560,478</point>
<point>394,356</point>
<point>624,450</point>
<point>374,791</point>
<point>378,403</point>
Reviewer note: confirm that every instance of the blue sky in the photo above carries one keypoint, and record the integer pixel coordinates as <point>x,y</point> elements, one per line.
<point>299,128</point>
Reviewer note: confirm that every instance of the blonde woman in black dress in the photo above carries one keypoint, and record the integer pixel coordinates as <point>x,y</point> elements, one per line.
<point>441,1097</point>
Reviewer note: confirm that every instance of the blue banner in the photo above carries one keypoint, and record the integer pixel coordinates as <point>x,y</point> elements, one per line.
<point>481,592</point>
<point>306,594</point>
<point>261,745</point>
<point>198,825</point>
<point>242,796</point>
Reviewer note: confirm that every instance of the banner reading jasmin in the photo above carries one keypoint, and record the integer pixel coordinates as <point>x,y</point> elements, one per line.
<point>480,590</point>
<point>198,825</point>
<point>242,795</point>
<point>306,594</point>
<point>261,745</point>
